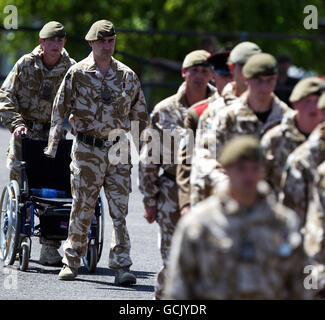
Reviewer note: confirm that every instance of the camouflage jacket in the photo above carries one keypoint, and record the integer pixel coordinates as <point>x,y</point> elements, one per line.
<point>234,120</point>
<point>277,144</point>
<point>97,104</point>
<point>167,121</point>
<point>299,172</point>
<point>195,111</point>
<point>29,89</point>
<point>228,97</point>
<point>199,116</point>
<point>221,250</point>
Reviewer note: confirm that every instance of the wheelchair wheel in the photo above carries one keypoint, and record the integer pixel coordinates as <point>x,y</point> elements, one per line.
<point>96,238</point>
<point>24,256</point>
<point>101,225</point>
<point>9,223</point>
<point>92,258</point>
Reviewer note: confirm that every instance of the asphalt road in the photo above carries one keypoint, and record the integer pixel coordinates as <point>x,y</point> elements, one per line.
<point>41,283</point>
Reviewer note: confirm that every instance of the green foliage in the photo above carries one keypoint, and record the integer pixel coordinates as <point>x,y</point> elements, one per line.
<point>213,16</point>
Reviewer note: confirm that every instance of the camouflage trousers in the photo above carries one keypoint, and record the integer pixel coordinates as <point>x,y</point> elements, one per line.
<point>90,171</point>
<point>14,155</point>
<point>168,215</point>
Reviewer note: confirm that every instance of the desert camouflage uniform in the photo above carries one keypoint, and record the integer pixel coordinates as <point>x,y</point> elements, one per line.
<point>204,112</point>
<point>229,96</point>
<point>299,172</point>
<point>167,119</point>
<point>27,94</point>
<point>277,144</point>
<point>234,120</point>
<point>314,228</point>
<point>98,105</point>
<point>221,250</point>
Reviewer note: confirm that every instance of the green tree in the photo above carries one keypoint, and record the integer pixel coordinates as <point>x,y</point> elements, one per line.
<point>155,21</point>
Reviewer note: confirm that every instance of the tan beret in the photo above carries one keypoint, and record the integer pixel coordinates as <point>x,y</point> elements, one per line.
<point>243,147</point>
<point>99,30</point>
<point>306,87</point>
<point>243,51</point>
<point>196,57</point>
<point>260,64</point>
<point>52,29</point>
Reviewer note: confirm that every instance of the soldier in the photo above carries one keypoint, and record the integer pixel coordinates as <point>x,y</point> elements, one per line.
<point>221,76</point>
<point>314,231</point>
<point>240,244</point>
<point>160,191</point>
<point>26,99</point>
<point>232,91</point>
<point>221,73</point>
<point>294,129</point>
<point>236,61</point>
<point>102,96</point>
<point>285,83</point>
<point>299,170</point>
<point>255,112</point>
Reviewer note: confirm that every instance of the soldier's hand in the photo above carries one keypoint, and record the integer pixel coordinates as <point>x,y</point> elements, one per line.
<point>185,209</point>
<point>150,213</point>
<point>19,131</point>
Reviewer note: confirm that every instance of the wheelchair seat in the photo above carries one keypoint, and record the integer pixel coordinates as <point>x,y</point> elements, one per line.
<point>44,172</point>
<point>52,201</point>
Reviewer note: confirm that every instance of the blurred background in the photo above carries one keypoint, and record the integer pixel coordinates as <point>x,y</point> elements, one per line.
<point>153,37</point>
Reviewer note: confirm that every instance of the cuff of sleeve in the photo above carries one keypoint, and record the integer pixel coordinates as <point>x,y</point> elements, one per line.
<point>16,125</point>
<point>149,202</point>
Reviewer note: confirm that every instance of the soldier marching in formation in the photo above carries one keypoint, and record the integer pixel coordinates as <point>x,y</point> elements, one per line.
<point>239,243</point>
<point>239,217</point>
<point>160,190</point>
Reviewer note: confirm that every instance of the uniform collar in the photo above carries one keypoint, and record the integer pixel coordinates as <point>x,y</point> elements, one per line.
<point>315,137</point>
<point>181,95</point>
<point>38,54</point>
<point>92,66</point>
<point>289,127</point>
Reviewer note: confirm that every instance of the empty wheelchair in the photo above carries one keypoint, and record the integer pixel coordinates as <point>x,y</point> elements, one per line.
<point>40,204</point>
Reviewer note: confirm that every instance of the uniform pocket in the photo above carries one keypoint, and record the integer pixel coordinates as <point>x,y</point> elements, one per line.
<point>87,100</point>
<point>125,170</point>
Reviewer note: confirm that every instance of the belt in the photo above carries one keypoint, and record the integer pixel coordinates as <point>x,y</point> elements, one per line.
<point>169,176</point>
<point>95,142</point>
<point>37,125</point>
